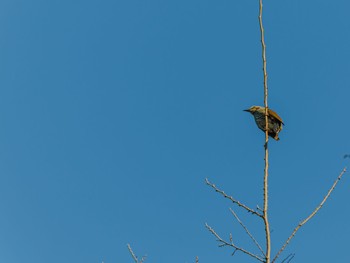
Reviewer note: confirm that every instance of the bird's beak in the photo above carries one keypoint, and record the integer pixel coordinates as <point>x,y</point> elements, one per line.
<point>247,110</point>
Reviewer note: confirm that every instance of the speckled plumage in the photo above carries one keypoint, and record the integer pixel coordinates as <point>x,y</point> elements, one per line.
<point>275,122</point>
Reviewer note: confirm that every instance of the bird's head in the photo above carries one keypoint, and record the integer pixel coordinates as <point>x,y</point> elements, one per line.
<point>254,109</point>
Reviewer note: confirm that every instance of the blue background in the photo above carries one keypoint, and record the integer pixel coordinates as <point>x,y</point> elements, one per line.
<point>113,113</point>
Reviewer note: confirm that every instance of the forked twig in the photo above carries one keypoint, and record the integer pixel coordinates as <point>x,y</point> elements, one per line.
<point>310,216</point>
<point>134,256</point>
<point>232,199</point>
<point>247,231</point>
<point>231,244</point>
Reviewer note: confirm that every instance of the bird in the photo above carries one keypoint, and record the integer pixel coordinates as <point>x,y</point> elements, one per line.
<point>275,122</point>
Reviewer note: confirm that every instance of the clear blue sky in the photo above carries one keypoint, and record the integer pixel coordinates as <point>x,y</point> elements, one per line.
<point>113,113</point>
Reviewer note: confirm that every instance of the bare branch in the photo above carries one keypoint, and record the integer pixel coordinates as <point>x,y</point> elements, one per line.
<point>134,256</point>
<point>289,258</point>
<point>232,199</point>
<point>143,259</point>
<point>247,231</point>
<point>258,208</point>
<point>311,215</point>
<point>266,174</point>
<point>225,243</point>
<point>197,259</point>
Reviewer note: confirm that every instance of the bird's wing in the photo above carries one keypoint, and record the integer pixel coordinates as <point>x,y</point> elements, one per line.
<point>275,115</point>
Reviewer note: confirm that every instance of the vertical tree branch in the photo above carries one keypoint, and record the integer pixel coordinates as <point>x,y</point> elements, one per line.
<point>266,173</point>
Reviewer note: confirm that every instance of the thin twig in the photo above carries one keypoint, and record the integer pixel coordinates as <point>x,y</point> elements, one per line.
<point>289,258</point>
<point>143,259</point>
<point>311,215</point>
<point>197,259</point>
<point>247,231</point>
<point>225,243</point>
<point>132,254</point>
<point>232,199</point>
<point>266,174</point>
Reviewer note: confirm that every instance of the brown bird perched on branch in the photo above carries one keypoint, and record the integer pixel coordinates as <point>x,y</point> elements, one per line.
<point>275,122</point>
